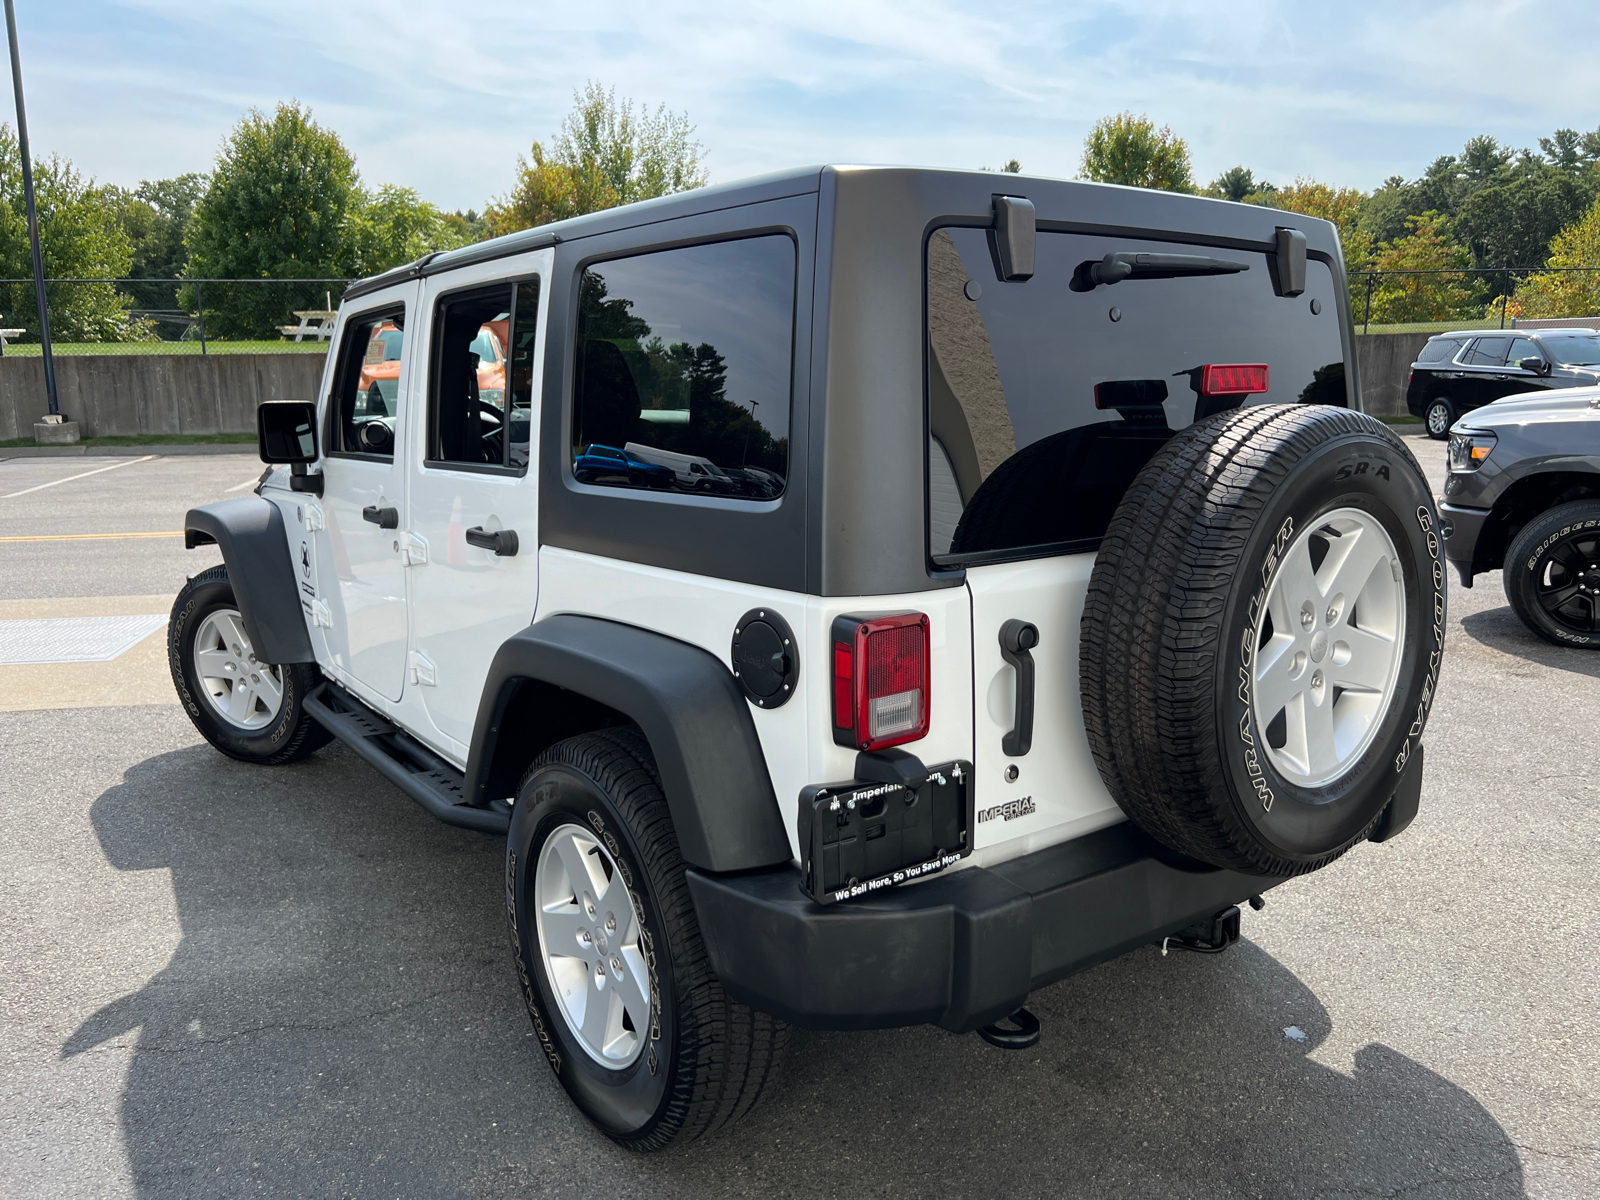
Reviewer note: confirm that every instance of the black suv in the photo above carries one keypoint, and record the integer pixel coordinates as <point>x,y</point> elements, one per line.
<point>1458,372</point>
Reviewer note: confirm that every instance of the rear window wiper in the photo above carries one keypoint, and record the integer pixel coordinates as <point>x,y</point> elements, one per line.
<point>1114,268</point>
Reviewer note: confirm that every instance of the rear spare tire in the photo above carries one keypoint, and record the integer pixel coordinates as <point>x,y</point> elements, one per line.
<point>1262,636</point>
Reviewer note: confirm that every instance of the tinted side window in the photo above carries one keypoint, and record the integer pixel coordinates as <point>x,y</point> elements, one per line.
<point>1045,398</point>
<point>1439,350</point>
<point>366,389</point>
<point>1522,348</point>
<point>683,370</point>
<point>1488,352</point>
<point>482,376</point>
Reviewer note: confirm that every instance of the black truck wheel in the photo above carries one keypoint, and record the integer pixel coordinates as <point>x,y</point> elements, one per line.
<point>1552,574</point>
<point>249,710</point>
<point>609,953</point>
<point>1262,636</point>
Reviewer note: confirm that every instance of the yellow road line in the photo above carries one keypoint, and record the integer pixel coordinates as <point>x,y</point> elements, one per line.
<point>81,537</point>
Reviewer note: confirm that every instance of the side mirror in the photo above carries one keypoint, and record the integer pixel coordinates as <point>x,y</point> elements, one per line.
<point>287,431</point>
<point>1537,365</point>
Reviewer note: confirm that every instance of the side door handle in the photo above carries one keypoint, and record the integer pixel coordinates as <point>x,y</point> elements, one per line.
<point>503,542</point>
<point>383,518</point>
<point>1017,639</point>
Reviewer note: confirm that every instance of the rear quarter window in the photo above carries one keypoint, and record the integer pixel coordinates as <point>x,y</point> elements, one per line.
<point>1045,400</point>
<point>1439,350</point>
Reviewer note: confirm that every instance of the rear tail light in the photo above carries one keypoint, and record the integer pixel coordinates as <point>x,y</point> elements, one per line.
<point>880,680</point>
<point>1233,379</point>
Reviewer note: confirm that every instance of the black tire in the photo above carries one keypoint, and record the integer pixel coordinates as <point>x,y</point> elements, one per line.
<point>288,738</point>
<point>1438,416</point>
<point>1169,631</point>
<point>1552,575</point>
<point>707,1058</point>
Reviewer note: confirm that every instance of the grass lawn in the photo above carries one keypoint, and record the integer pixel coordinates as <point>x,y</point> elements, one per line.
<point>73,349</point>
<point>151,439</point>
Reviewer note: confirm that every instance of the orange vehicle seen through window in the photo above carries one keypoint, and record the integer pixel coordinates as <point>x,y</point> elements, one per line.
<point>380,369</point>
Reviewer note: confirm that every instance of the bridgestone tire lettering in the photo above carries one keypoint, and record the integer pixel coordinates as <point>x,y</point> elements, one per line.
<point>1171,616</point>
<point>1525,561</point>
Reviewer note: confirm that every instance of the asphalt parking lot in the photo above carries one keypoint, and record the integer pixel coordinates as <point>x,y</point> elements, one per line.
<point>221,980</point>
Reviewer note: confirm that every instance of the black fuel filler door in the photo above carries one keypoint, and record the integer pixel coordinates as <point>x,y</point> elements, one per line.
<point>765,660</point>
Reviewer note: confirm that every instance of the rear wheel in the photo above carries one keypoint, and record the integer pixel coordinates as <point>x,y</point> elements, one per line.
<point>1262,636</point>
<point>1438,417</point>
<point>612,966</point>
<point>246,708</point>
<point>1552,574</point>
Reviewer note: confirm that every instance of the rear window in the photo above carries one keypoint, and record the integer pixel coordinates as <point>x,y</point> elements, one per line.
<point>1046,397</point>
<point>684,364</point>
<point>1439,350</point>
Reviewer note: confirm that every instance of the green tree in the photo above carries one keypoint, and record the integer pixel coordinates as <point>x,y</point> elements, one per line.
<point>155,215</point>
<point>279,206</point>
<point>80,237</point>
<point>1237,183</point>
<point>1439,289</point>
<point>1565,293</point>
<point>1129,149</point>
<point>395,225</point>
<point>1510,222</point>
<point>605,153</point>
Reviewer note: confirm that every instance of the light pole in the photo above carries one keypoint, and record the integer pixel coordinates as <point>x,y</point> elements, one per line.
<point>33,219</point>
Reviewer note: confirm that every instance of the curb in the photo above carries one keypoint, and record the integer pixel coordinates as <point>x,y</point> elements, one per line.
<point>167,451</point>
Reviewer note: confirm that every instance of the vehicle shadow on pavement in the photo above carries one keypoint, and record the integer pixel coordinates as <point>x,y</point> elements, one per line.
<point>341,1018</point>
<point>1501,629</point>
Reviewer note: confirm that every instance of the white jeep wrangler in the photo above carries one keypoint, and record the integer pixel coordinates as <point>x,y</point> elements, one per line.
<point>1041,593</point>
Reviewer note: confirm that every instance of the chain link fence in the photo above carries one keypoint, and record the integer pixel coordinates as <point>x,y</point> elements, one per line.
<point>172,316</point>
<point>1432,301</point>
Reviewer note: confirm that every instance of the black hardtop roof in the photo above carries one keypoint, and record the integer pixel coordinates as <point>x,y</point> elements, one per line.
<point>1109,206</point>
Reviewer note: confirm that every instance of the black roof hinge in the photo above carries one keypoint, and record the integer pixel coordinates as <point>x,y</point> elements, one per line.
<point>1011,241</point>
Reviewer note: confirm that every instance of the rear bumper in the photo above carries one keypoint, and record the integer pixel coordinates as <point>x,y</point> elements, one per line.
<point>1462,526</point>
<point>961,950</point>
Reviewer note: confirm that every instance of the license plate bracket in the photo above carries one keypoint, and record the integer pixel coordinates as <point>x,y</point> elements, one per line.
<point>859,838</point>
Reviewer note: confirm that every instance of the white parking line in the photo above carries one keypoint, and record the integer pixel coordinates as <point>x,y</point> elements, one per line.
<point>79,475</point>
<point>251,482</point>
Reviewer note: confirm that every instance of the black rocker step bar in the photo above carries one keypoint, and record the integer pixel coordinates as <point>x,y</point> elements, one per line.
<point>404,761</point>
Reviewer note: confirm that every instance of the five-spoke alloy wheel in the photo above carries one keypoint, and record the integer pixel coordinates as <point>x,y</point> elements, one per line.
<point>1328,647</point>
<point>589,936</point>
<point>248,709</point>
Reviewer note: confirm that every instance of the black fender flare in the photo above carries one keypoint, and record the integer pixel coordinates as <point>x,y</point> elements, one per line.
<point>255,547</point>
<point>689,707</point>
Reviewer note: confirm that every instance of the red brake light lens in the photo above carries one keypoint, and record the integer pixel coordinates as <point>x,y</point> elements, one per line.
<point>1233,379</point>
<point>880,680</point>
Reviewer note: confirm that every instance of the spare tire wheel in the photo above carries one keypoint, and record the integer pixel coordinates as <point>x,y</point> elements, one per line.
<point>1262,636</point>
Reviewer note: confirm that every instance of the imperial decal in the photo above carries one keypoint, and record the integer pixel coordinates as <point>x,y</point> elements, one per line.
<point>1009,811</point>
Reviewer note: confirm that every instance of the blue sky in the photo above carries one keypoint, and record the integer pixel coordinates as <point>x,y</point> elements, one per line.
<point>443,97</point>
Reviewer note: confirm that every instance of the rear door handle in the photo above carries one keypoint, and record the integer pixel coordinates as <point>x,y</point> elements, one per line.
<point>1017,639</point>
<point>503,542</point>
<point>383,518</point>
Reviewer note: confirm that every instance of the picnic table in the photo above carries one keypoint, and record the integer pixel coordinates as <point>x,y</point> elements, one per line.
<point>322,331</point>
<point>7,334</point>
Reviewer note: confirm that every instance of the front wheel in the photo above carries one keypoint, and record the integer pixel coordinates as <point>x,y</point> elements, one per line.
<point>248,709</point>
<point>1439,416</point>
<point>1552,575</point>
<point>609,954</point>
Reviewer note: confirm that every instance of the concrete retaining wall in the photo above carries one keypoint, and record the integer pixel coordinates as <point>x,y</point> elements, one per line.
<point>1384,361</point>
<point>119,394</point>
